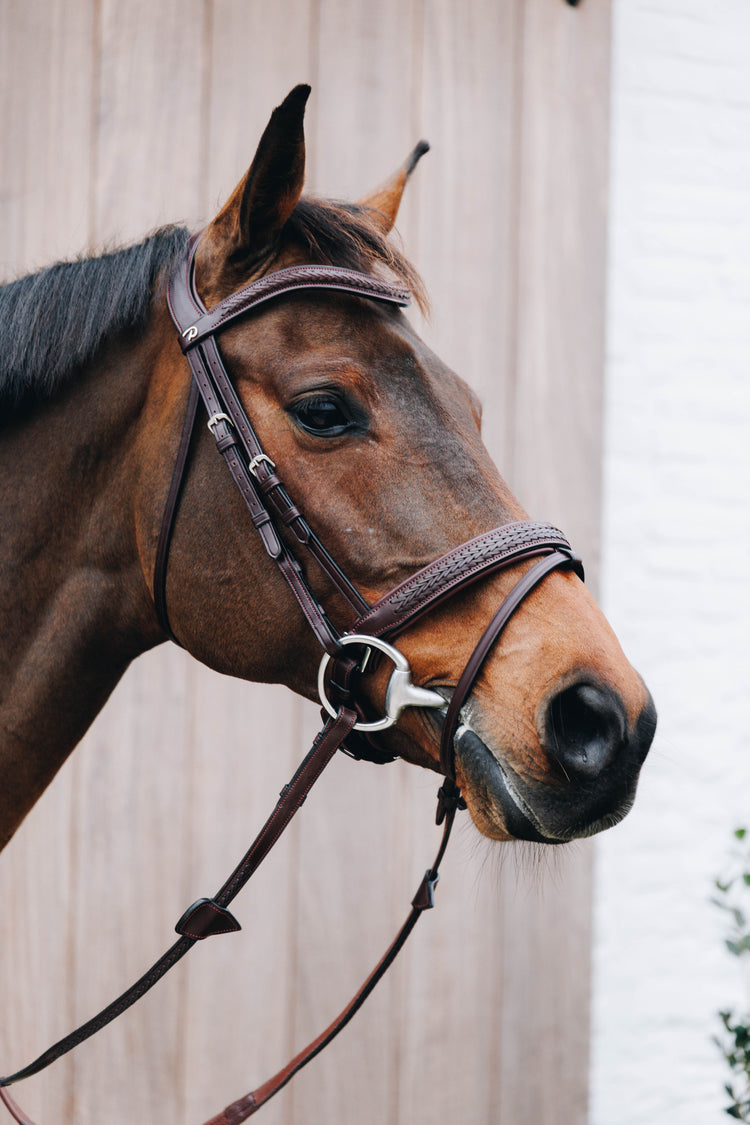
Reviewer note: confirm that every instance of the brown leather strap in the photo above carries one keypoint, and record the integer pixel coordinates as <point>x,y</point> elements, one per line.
<point>269,485</point>
<point>423,900</point>
<point>194,923</point>
<point>14,1108</point>
<point>225,433</point>
<point>291,798</point>
<point>170,512</point>
<point>474,664</point>
<point>252,470</point>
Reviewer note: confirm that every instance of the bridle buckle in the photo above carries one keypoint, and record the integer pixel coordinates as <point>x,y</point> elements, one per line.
<point>214,420</point>
<point>256,460</point>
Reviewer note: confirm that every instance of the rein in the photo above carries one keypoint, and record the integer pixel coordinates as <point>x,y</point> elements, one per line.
<point>345,657</point>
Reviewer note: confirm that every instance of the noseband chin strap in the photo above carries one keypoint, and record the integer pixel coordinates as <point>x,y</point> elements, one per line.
<point>345,656</point>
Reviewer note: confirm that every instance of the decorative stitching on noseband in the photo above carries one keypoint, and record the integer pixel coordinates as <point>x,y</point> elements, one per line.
<point>440,577</point>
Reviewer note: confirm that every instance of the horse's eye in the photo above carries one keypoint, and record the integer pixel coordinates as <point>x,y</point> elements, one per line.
<point>323,416</point>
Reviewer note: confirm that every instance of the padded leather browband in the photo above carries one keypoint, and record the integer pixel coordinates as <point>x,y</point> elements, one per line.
<point>332,278</point>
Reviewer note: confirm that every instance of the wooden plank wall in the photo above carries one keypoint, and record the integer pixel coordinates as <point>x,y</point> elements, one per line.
<point>118,115</point>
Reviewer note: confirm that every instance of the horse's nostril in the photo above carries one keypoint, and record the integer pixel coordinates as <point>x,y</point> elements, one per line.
<point>584,727</point>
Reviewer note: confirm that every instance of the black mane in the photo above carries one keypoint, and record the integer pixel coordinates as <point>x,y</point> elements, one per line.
<point>54,322</point>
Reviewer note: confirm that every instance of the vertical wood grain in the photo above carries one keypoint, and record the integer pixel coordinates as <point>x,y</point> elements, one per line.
<point>144,112</point>
<point>466,237</point>
<point>362,128</point>
<point>129,805</point>
<point>149,115</point>
<point>563,158</point>
<point>259,52</point>
<point>46,63</point>
<point>132,774</point>
<point>238,987</point>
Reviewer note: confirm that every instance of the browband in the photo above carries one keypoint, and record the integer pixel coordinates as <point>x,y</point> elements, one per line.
<point>194,330</point>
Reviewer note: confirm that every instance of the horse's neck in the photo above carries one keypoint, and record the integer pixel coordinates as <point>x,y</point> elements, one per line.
<point>73,599</point>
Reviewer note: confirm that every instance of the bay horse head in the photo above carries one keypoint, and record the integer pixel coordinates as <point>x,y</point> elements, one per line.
<point>379,446</point>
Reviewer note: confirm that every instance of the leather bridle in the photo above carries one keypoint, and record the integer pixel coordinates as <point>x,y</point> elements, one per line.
<point>288,538</point>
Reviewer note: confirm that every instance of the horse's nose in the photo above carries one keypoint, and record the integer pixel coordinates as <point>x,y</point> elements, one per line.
<point>583,728</point>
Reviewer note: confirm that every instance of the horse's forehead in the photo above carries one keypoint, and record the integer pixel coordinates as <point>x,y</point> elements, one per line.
<point>323,318</point>
<point>340,336</point>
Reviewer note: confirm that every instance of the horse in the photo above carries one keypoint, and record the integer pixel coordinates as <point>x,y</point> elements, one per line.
<point>380,443</point>
<point>107,552</point>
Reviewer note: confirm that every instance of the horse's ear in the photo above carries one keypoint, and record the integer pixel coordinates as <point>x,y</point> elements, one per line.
<point>250,222</point>
<point>385,201</point>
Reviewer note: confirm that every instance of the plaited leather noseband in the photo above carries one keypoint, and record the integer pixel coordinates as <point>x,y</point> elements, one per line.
<point>373,629</point>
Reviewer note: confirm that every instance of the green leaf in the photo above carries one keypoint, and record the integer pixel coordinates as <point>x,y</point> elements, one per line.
<point>740,833</point>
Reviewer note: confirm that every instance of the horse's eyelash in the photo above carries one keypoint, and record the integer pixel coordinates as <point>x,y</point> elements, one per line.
<point>319,399</point>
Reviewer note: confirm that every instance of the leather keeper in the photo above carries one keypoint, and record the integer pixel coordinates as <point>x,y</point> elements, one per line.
<point>204,919</point>
<point>267,483</point>
<point>267,532</point>
<point>289,517</point>
<point>223,443</point>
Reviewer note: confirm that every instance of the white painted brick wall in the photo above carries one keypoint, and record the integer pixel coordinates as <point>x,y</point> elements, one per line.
<point>676,574</point>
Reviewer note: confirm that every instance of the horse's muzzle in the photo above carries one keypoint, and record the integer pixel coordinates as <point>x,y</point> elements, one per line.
<point>594,763</point>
